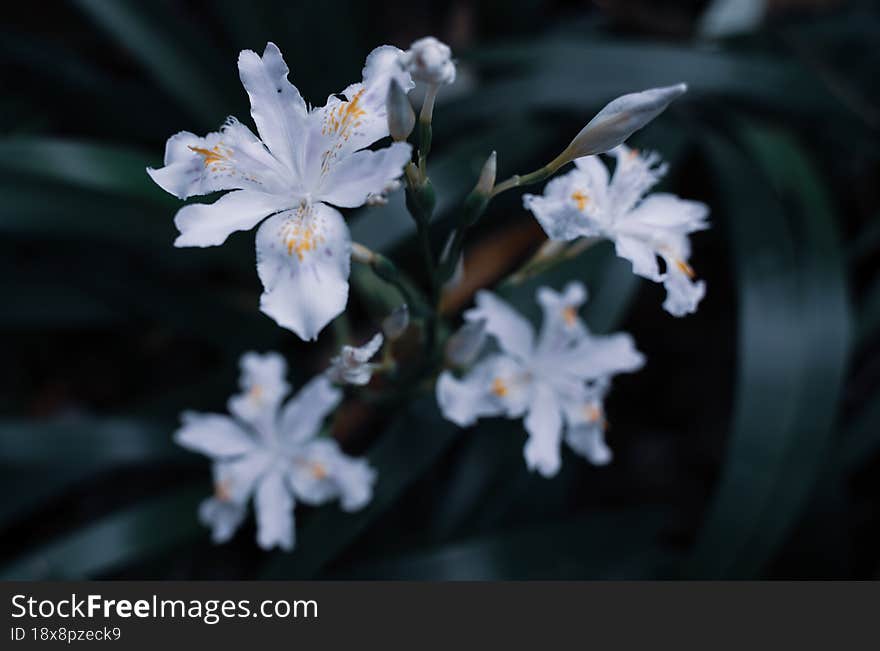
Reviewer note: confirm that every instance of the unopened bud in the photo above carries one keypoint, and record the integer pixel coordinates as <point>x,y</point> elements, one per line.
<point>487,176</point>
<point>360,253</point>
<point>396,323</point>
<point>463,347</point>
<point>430,61</point>
<point>617,122</point>
<point>401,117</point>
<point>475,203</point>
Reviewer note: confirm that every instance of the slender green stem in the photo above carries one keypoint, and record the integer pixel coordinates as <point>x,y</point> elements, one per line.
<point>449,261</point>
<point>525,179</point>
<point>540,263</point>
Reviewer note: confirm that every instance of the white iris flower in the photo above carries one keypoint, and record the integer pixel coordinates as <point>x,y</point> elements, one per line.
<point>304,162</point>
<point>555,381</point>
<point>589,202</point>
<point>269,452</point>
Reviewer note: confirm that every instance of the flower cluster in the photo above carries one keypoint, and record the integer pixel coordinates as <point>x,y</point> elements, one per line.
<point>304,164</point>
<point>588,202</point>
<point>555,380</point>
<point>291,178</point>
<point>270,451</point>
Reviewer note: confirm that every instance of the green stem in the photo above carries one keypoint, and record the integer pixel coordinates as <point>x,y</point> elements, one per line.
<point>526,179</point>
<point>426,115</point>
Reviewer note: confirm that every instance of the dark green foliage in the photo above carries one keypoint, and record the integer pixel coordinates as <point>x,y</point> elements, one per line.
<point>753,431</point>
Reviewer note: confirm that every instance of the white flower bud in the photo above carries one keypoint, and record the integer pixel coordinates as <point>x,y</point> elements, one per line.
<point>463,347</point>
<point>487,176</point>
<point>430,61</point>
<point>618,121</point>
<point>396,323</point>
<point>401,117</point>
<point>360,253</point>
<point>352,365</point>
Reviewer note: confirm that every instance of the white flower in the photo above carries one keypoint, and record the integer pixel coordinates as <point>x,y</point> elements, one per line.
<point>304,162</point>
<point>555,381</point>
<point>270,453</point>
<point>430,61</point>
<point>585,202</point>
<point>352,365</point>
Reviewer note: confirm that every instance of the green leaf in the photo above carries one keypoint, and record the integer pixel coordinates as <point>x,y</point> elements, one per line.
<point>87,442</point>
<point>607,69</point>
<point>87,165</point>
<point>113,542</point>
<point>618,545</point>
<point>23,495</point>
<point>171,61</point>
<point>793,343</point>
<point>869,315</point>
<point>862,440</point>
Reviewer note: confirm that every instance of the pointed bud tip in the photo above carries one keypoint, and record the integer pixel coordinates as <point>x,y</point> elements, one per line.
<point>487,175</point>
<point>677,90</point>
<point>401,117</point>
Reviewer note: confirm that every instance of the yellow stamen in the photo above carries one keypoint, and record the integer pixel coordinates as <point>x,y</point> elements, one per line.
<point>300,236</point>
<point>592,413</point>
<point>318,470</point>
<point>256,393</point>
<point>221,491</point>
<point>581,199</point>
<point>499,388</point>
<point>213,155</point>
<point>686,269</point>
<point>345,116</point>
<point>570,315</point>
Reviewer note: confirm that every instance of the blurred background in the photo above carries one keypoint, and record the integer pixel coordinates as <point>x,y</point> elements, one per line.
<point>749,446</point>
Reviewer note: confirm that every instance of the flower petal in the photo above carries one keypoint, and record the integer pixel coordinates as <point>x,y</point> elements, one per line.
<point>263,387</point>
<point>302,416</point>
<point>352,365</point>
<point>513,332</point>
<point>354,178</point>
<point>588,440</point>
<point>595,356</point>
<point>214,435</point>
<point>322,472</point>
<point>496,386</point>
<point>274,508</point>
<point>230,160</point>
<point>642,256</point>
<point>663,211</point>
<point>561,324</point>
<point>223,517</point>
<point>235,479</point>
<point>544,425</point>
<point>303,259</point>
<point>381,66</point>
<point>634,174</point>
<point>209,224</point>
<point>356,478</point>
<point>574,204</point>
<point>466,400</point>
<point>560,219</point>
<point>682,294</point>
<point>277,107</point>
